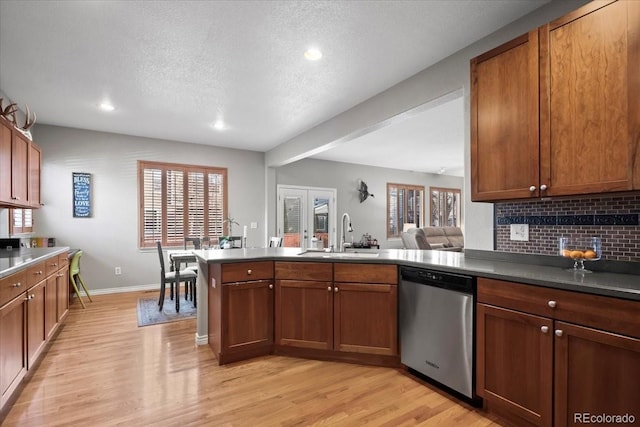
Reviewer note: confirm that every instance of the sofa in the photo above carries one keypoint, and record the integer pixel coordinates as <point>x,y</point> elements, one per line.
<point>434,238</point>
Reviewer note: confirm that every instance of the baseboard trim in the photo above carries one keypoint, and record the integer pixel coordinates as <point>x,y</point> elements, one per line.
<point>202,339</point>
<point>153,287</point>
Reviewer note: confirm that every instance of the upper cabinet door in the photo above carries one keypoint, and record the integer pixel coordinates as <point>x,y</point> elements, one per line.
<point>504,121</point>
<point>5,162</point>
<point>20,169</point>
<point>590,86</point>
<point>34,175</point>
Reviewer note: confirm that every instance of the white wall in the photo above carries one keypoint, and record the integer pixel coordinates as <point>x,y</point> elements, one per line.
<point>110,237</point>
<point>449,75</point>
<point>371,215</point>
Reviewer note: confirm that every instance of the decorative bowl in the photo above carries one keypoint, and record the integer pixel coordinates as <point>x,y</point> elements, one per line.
<point>580,249</point>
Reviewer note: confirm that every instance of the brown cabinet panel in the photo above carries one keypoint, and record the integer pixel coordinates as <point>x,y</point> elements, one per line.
<point>248,315</point>
<point>19,169</point>
<point>585,133</point>
<point>365,273</point>
<point>515,363</point>
<point>50,306</point>
<point>36,334</point>
<point>13,360</point>
<point>606,313</point>
<point>504,121</point>
<point>62,285</point>
<point>52,265</point>
<point>5,161</point>
<point>304,314</point>
<point>365,318</point>
<point>11,286</point>
<point>34,175</point>
<point>319,271</point>
<point>244,271</point>
<point>596,372</point>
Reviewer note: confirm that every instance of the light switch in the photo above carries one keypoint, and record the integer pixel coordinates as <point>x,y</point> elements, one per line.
<point>520,232</point>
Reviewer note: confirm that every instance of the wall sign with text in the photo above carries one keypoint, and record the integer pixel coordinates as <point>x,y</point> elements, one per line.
<point>81,195</point>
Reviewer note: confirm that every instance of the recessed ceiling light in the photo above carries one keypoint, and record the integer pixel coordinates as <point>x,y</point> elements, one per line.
<point>106,106</point>
<point>313,54</point>
<point>219,124</point>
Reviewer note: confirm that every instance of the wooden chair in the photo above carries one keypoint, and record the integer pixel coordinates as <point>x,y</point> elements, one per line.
<point>187,276</point>
<point>74,273</point>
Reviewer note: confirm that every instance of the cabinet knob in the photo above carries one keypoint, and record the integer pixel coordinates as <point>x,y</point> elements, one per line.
<point>532,188</point>
<point>54,264</point>
<point>270,286</point>
<point>15,198</point>
<point>551,304</point>
<point>38,272</point>
<point>544,329</point>
<point>60,274</point>
<point>335,289</point>
<point>329,288</point>
<point>559,332</point>
<point>249,272</point>
<point>543,187</point>
<point>17,285</point>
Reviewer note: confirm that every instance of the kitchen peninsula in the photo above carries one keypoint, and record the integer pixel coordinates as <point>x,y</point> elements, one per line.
<point>569,333</point>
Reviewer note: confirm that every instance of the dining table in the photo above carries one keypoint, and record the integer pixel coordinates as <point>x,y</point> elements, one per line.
<point>176,259</point>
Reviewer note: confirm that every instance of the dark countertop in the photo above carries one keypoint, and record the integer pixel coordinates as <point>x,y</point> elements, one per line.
<point>17,259</point>
<point>547,271</point>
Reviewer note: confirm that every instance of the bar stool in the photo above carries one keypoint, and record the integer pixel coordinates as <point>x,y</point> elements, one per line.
<point>74,273</point>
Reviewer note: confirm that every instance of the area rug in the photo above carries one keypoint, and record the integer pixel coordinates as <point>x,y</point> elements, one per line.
<point>148,313</point>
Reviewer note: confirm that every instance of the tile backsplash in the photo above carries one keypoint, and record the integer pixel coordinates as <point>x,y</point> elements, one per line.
<point>615,219</point>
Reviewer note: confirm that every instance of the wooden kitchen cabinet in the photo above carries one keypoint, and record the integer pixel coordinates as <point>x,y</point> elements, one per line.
<point>337,311</point>
<point>36,322</point>
<point>62,285</point>
<point>34,175</point>
<point>13,346</point>
<point>545,354</point>
<point>20,164</point>
<point>581,71</point>
<point>304,305</point>
<point>5,161</point>
<point>365,308</point>
<point>504,121</point>
<point>240,310</point>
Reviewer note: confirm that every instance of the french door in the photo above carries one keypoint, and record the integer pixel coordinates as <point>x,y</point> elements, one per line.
<point>306,217</point>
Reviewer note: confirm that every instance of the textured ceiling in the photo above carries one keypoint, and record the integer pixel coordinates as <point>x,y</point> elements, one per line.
<point>171,68</point>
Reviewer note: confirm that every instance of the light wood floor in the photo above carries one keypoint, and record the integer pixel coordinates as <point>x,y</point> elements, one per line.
<point>104,370</point>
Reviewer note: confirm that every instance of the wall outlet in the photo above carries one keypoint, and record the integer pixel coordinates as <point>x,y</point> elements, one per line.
<point>520,232</point>
<point>118,271</point>
<point>254,225</point>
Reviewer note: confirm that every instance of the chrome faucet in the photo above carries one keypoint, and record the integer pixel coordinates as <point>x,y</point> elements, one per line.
<point>342,226</point>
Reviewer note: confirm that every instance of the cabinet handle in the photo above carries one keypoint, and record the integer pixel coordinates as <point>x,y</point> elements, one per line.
<point>329,288</point>
<point>532,188</point>
<point>17,285</point>
<point>543,187</point>
<point>15,198</point>
<point>544,329</point>
<point>38,272</point>
<point>60,274</point>
<point>558,332</point>
<point>551,304</point>
<point>249,272</point>
<point>335,289</point>
<point>270,286</point>
<point>54,264</point>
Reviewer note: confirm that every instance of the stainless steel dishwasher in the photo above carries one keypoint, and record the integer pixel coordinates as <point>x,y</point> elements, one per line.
<point>436,312</point>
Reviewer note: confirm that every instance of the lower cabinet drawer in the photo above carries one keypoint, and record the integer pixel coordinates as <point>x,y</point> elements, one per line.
<point>36,273</point>
<point>606,313</point>
<point>244,271</point>
<point>11,286</point>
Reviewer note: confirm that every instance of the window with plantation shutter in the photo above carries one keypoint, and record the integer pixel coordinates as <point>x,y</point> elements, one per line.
<point>21,221</point>
<point>404,206</point>
<point>178,201</point>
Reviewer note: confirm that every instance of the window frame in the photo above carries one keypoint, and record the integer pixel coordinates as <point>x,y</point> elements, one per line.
<point>185,169</point>
<point>22,229</point>
<point>458,205</point>
<point>418,211</point>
